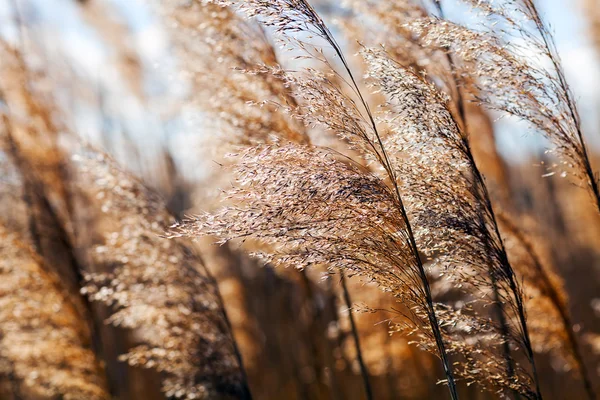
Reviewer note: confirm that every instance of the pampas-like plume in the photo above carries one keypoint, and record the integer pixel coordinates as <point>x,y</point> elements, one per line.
<point>157,287</point>
<point>44,347</point>
<point>557,336</point>
<point>314,209</point>
<point>513,84</point>
<point>506,81</point>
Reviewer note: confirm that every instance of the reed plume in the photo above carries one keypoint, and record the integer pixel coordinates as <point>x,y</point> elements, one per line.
<point>387,24</point>
<point>493,62</point>
<point>30,134</point>
<point>548,298</point>
<point>506,81</point>
<point>542,287</point>
<point>45,350</point>
<point>322,212</point>
<point>401,202</point>
<point>159,289</point>
<point>432,144</point>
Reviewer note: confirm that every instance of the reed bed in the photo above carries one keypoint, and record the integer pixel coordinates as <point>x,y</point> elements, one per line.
<point>346,228</point>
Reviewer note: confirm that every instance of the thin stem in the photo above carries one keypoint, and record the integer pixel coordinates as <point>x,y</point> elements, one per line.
<point>499,307</point>
<point>363,368</point>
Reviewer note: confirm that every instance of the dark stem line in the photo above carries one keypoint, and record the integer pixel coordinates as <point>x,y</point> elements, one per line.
<point>363,368</point>
<point>499,307</point>
<point>593,183</point>
<point>245,387</point>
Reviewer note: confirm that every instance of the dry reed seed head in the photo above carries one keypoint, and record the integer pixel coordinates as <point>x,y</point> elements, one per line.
<point>315,209</point>
<point>43,343</point>
<point>156,287</point>
<point>505,80</point>
<point>339,113</point>
<point>475,344</point>
<point>300,238</point>
<point>508,82</point>
<point>222,55</point>
<point>426,147</point>
<point>285,16</point>
<point>322,103</point>
<point>387,24</point>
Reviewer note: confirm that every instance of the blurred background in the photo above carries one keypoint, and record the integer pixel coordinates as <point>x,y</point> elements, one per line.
<point>131,78</point>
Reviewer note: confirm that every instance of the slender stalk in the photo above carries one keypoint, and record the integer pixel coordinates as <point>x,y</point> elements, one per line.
<point>245,388</point>
<point>363,368</point>
<point>504,327</point>
<point>510,370</point>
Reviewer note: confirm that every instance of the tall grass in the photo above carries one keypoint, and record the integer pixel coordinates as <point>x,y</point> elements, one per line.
<point>367,170</point>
